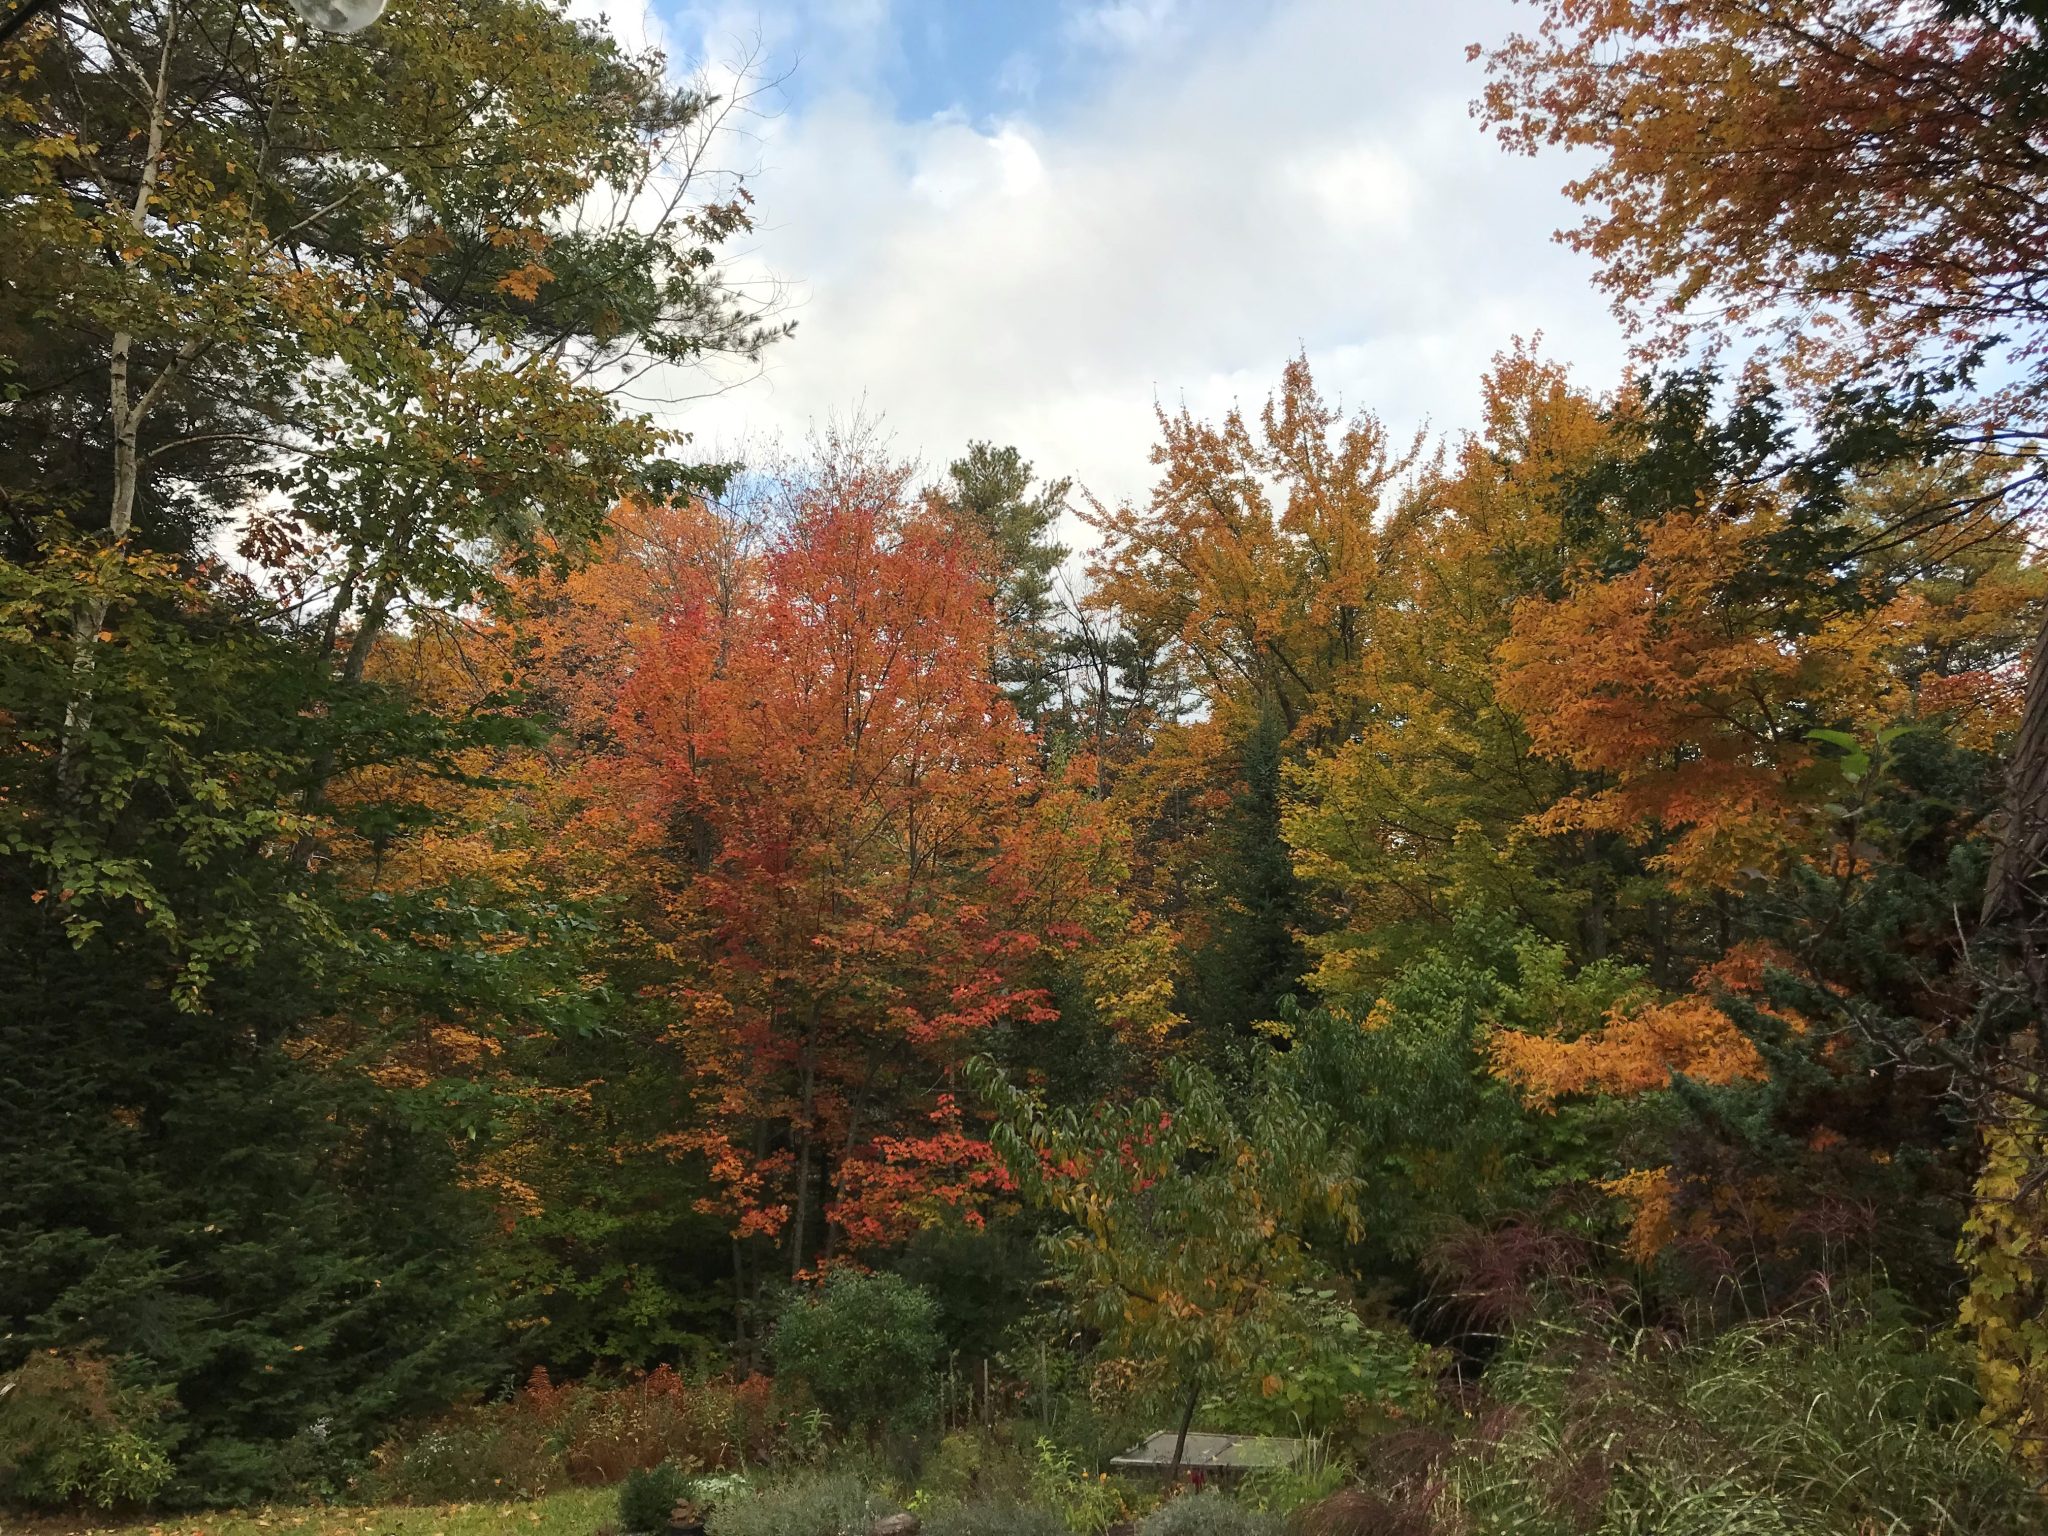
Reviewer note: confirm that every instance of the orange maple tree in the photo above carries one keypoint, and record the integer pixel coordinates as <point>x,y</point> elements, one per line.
<point>1258,550</point>
<point>862,866</point>
<point>1861,182</point>
<point>1692,705</point>
<point>901,1185</point>
<point>1644,1042</point>
<point>1831,170</point>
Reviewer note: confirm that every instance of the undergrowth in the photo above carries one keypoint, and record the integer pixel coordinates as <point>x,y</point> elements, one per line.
<point>1809,1425</point>
<point>546,1437</point>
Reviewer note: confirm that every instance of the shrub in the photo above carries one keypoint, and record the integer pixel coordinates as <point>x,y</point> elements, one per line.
<point>711,1424</point>
<point>973,1466</point>
<point>649,1495</point>
<point>1831,1426</point>
<point>1208,1514</point>
<point>1086,1502</point>
<point>1355,1512</point>
<point>547,1437</point>
<point>707,1493</point>
<point>994,1518</point>
<point>866,1348</point>
<point>1333,1369</point>
<point>472,1453</point>
<point>72,1432</point>
<point>803,1506</point>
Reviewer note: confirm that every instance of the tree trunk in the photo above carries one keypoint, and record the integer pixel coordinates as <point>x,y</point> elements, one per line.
<point>2023,834</point>
<point>126,414</point>
<point>801,1213</point>
<point>742,1346</point>
<point>353,666</point>
<point>1180,1441</point>
<point>1596,906</point>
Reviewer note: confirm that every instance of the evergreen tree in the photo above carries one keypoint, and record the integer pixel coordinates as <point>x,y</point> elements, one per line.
<point>1252,955</point>
<point>260,1239</point>
<point>994,493</point>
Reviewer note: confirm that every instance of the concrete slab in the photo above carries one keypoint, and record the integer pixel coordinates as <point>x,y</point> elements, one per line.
<point>1228,1454</point>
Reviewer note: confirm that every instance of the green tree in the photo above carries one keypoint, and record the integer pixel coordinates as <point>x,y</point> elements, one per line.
<point>865,1346</point>
<point>1250,955</point>
<point>274,1251</point>
<point>1190,1231</point>
<point>320,254</point>
<point>366,303</point>
<point>995,493</point>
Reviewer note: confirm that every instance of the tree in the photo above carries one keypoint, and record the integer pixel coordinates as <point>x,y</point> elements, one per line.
<point>1247,953</point>
<point>1842,172</point>
<point>991,493</point>
<point>1861,180</point>
<point>1256,556</point>
<point>365,304</point>
<point>1423,811</point>
<point>1190,1227</point>
<point>188,1194</point>
<point>868,868</point>
<point>1782,722</point>
<point>1725,609</point>
<point>1247,584</point>
<point>413,350</point>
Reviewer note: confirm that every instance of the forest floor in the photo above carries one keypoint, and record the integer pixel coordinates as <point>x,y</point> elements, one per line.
<point>574,1512</point>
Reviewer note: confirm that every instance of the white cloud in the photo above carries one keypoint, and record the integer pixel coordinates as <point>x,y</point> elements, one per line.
<point>956,165</point>
<point>1356,187</point>
<point>1128,24</point>
<point>1307,179</point>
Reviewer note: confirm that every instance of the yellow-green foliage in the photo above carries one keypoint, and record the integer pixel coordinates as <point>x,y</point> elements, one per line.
<point>2005,1245</point>
<point>573,1512</point>
<point>72,1433</point>
<point>1087,1503</point>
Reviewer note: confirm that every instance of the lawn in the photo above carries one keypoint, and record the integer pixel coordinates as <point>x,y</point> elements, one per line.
<point>575,1512</point>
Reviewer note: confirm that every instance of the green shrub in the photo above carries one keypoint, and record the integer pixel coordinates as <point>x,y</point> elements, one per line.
<point>994,1518</point>
<point>1311,1480</point>
<point>1208,1514</point>
<point>472,1453</point>
<point>975,1466</point>
<point>804,1506</point>
<point>718,1488</point>
<point>71,1432</point>
<point>1086,1502</point>
<point>1333,1369</point>
<point>649,1495</point>
<point>866,1348</point>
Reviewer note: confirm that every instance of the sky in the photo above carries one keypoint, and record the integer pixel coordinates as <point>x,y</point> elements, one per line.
<point>1033,221</point>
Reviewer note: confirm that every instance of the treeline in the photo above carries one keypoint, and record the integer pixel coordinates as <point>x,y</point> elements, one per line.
<point>1378,908</point>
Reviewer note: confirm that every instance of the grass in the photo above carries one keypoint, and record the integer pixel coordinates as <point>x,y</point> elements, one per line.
<point>573,1512</point>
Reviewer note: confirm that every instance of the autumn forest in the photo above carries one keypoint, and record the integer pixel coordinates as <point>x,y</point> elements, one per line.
<point>553,981</point>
